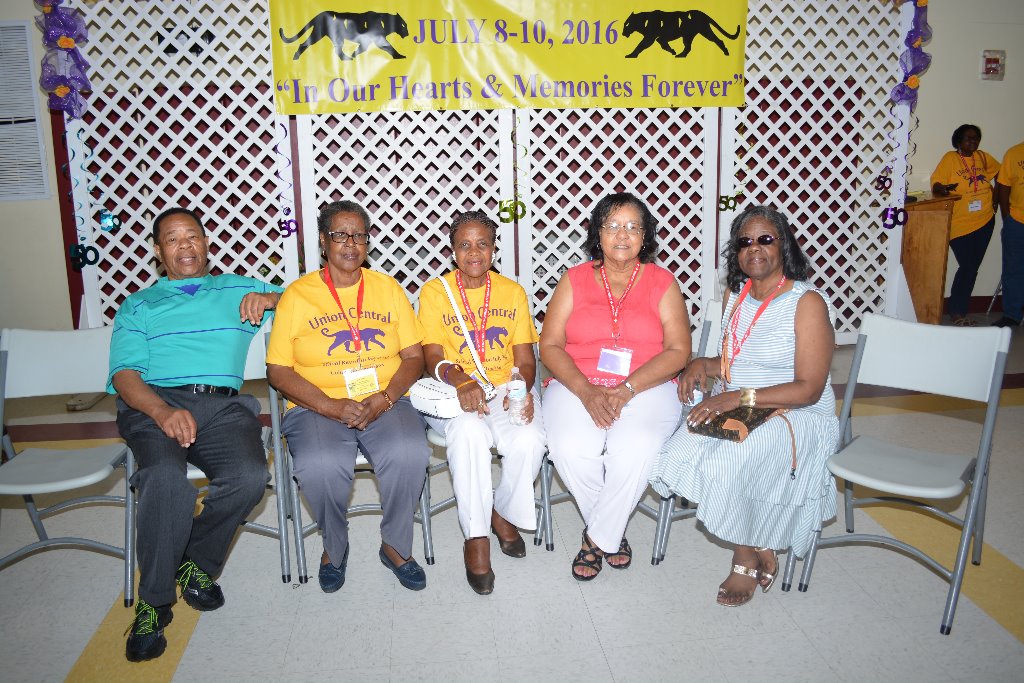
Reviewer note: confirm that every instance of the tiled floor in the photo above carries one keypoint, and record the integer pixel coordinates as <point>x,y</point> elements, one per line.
<point>871,615</point>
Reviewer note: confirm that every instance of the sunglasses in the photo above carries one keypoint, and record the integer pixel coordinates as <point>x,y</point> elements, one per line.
<point>763,240</point>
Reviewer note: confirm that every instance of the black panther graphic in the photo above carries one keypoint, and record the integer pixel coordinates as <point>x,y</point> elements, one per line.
<point>492,336</point>
<point>664,27</point>
<point>365,29</point>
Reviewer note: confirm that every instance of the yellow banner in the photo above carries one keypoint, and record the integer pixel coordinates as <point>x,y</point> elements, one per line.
<point>392,55</point>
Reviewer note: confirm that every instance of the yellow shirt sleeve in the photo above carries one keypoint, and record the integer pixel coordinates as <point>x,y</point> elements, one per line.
<point>1011,174</point>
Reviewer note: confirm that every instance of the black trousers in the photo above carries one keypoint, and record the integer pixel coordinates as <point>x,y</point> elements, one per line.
<point>969,251</point>
<point>228,448</point>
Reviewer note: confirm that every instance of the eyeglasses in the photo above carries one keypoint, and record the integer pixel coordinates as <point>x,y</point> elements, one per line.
<point>763,240</point>
<point>631,228</point>
<point>344,237</point>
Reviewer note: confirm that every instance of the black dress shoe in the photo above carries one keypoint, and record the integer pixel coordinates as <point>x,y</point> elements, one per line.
<point>1006,321</point>
<point>516,548</point>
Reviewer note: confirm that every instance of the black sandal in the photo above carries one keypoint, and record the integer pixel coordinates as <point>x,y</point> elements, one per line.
<point>587,557</point>
<point>624,551</point>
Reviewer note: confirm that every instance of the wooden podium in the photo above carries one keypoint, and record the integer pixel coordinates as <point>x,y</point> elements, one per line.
<point>924,255</point>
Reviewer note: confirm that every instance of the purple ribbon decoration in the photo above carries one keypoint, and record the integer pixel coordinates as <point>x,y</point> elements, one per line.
<point>914,61</point>
<point>63,72</point>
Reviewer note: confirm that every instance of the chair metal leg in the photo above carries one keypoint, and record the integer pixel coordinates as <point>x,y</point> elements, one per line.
<point>665,509</point>
<point>999,289</point>
<point>300,545</point>
<point>129,530</point>
<point>848,505</point>
<point>787,577</point>
<point>979,525</point>
<point>805,575</point>
<point>428,539</point>
<point>281,493</point>
<point>547,474</point>
<point>957,575</point>
<point>33,514</point>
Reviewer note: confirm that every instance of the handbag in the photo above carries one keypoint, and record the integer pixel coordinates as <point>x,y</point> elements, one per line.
<point>735,424</point>
<point>437,399</point>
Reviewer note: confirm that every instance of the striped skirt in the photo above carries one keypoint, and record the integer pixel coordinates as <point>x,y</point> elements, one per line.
<point>745,493</point>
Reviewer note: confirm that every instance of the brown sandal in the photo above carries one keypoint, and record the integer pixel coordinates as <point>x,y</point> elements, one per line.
<point>766,579</point>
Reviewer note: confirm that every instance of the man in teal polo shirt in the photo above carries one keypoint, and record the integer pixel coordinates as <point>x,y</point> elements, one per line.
<point>177,358</point>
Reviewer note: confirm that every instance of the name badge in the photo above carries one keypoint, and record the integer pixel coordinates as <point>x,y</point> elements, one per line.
<point>974,205</point>
<point>360,382</point>
<point>615,361</point>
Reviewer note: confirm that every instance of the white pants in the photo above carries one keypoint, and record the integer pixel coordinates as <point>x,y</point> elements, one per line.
<point>470,439</point>
<point>606,471</point>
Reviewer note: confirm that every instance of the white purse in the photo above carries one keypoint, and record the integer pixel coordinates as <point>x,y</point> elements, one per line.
<point>437,399</point>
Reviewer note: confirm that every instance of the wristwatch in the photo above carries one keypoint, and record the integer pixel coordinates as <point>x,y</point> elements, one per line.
<point>632,391</point>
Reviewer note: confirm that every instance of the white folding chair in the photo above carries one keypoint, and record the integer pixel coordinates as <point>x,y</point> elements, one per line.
<point>255,368</point>
<point>949,361</point>
<point>46,363</point>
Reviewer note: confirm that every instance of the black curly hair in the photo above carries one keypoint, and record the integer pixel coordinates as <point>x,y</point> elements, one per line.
<point>604,208</point>
<point>795,265</point>
<point>961,131</point>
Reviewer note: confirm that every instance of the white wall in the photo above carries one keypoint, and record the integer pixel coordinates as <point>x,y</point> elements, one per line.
<point>33,281</point>
<point>952,93</point>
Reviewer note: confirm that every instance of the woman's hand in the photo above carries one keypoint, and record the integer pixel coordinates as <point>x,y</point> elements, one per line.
<point>373,406</point>
<point>713,406</point>
<point>527,407</point>
<point>694,375</point>
<point>344,410</point>
<point>472,398</point>
<point>599,405</point>
<point>618,397</point>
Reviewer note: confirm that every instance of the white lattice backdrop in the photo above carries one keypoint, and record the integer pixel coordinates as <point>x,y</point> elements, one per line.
<point>182,114</point>
<point>411,171</point>
<point>816,131</point>
<point>576,156</point>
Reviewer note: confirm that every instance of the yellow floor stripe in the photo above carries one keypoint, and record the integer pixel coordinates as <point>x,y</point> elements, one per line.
<point>996,585</point>
<point>103,658</point>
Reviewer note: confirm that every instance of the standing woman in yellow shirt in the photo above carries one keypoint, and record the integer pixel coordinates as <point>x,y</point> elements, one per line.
<point>969,172</point>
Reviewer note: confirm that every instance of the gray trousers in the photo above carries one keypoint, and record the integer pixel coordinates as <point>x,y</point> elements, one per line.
<point>228,449</point>
<point>324,458</point>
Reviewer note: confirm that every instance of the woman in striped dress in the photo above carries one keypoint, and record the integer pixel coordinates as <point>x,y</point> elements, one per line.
<point>772,491</point>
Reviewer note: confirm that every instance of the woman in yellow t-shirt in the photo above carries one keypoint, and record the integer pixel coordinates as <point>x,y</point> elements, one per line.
<point>344,351</point>
<point>498,319</point>
<point>969,172</point>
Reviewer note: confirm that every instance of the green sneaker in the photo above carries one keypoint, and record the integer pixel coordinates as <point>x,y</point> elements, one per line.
<point>197,588</point>
<point>146,638</point>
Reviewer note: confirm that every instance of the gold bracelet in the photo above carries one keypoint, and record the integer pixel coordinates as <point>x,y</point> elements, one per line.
<point>748,397</point>
<point>391,404</point>
<point>468,381</point>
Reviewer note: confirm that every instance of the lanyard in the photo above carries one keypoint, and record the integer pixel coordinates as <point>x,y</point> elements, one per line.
<point>973,170</point>
<point>480,333</point>
<point>359,309</point>
<point>617,307</point>
<point>734,322</point>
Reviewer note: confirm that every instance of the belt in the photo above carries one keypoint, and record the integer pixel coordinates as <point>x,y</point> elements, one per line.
<point>206,389</point>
